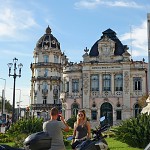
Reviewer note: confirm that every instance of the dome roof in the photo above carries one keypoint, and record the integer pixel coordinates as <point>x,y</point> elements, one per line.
<point>48,40</point>
<point>119,47</point>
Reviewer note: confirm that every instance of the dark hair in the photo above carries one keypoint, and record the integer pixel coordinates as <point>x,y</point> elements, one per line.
<point>54,111</point>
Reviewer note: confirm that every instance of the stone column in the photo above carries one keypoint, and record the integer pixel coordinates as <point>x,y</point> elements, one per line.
<point>100,84</point>
<point>126,92</point>
<point>112,83</point>
<point>86,93</point>
<point>70,85</point>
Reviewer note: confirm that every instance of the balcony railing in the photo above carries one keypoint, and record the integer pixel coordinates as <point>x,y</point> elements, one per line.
<point>51,78</point>
<point>44,91</point>
<point>47,64</point>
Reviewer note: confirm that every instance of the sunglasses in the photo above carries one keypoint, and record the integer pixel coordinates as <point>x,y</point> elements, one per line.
<point>80,115</point>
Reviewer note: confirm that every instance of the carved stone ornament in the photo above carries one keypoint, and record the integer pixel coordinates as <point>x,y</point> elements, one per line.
<point>85,92</point>
<point>126,82</point>
<point>85,81</point>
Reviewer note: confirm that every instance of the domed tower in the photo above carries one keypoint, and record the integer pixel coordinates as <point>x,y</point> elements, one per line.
<point>46,82</point>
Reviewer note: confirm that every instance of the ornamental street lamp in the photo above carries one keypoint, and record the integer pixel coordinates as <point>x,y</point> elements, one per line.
<point>14,75</point>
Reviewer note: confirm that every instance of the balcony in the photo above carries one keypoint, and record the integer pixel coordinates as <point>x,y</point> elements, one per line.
<point>44,91</point>
<point>106,93</point>
<point>51,78</point>
<point>46,64</point>
<point>94,94</point>
<point>137,93</point>
<point>118,93</point>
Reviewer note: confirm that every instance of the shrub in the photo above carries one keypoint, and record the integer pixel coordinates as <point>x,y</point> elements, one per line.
<point>71,121</point>
<point>135,131</point>
<point>4,138</point>
<point>26,126</point>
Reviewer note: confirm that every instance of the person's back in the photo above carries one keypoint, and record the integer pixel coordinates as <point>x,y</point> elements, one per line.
<point>54,128</point>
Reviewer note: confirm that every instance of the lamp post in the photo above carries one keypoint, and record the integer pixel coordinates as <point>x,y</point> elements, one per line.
<point>14,75</point>
<point>3,97</point>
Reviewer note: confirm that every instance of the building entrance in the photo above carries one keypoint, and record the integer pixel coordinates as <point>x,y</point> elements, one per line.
<point>107,111</point>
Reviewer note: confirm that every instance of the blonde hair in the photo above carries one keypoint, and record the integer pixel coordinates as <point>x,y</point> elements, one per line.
<point>84,113</point>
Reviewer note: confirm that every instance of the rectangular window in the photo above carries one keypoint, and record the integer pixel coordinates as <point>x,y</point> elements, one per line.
<point>118,82</point>
<point>118,113</point>
<point>66,86</point>
<point>106,82</point>
<point>137,83</point>
<point>75,85</point>
<point>94,82</point>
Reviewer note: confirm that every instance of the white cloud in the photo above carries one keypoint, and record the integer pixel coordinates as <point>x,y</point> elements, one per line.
<point>87,4</point>
<point>91,4</point>
<point>137,39</point>
<point>13,21</point>
<point>130,4</point>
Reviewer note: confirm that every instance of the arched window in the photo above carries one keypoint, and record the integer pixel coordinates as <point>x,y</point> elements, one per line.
<point>106,82</point>
<point>74,109</point>
<point>94,83</point>
<point>137,110</point>
<point>46,58</point>
<point>118,82</point>
<point>44,85</point>
<point>56,59</point>
<point>44,88</point>
<point>45,72</point>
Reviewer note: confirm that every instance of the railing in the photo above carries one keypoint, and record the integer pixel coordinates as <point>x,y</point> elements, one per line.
<point>49,64</point>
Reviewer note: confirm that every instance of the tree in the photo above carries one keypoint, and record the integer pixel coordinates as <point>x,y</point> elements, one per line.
<point>142,100</point>
<point>8,106</point>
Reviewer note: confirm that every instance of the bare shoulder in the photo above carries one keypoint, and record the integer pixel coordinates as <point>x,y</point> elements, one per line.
<point>88,123</point>
<point>75,125</point>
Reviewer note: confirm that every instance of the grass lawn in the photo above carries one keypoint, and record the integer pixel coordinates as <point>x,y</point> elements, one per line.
<point>115,145</point>
<point>112,143</point>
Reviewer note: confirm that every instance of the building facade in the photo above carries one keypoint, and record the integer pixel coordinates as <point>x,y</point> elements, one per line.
<point>106,82</point>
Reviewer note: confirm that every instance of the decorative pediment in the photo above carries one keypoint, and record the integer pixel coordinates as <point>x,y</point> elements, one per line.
<point>106,47</point>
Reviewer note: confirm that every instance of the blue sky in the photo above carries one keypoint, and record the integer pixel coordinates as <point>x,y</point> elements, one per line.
<point>75,23</point>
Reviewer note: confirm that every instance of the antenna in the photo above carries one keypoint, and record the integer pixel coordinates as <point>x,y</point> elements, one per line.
<point>131,39</point>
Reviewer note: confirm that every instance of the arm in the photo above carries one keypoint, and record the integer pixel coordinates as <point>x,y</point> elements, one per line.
<point>65,123</point>
<point>89,130</point>
<point>44,127</point>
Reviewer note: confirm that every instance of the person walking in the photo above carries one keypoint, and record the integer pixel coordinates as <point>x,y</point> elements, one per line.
<point>82,129</point>
<point>54,128</point>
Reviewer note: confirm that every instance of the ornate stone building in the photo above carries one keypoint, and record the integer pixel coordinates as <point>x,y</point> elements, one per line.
<point>107,82</point>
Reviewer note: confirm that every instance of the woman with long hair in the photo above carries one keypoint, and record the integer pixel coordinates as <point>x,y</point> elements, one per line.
<point>82,129</point>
